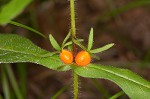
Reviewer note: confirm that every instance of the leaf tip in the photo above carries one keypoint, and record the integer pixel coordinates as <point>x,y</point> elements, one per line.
<point>91,31</point>
<point>112,44</point>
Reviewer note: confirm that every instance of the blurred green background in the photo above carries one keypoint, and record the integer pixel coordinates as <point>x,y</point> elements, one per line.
<point>123,22</point>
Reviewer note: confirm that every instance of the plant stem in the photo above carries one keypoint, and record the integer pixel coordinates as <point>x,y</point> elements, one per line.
<point>73,32</point>
<point>75,79</point>
<point>72,12</point>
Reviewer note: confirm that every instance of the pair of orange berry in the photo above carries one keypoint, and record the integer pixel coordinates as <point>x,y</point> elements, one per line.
<point>83,58</point>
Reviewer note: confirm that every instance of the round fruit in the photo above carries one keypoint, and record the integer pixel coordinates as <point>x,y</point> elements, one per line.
<point>83,58</point>
<point>66,56</point>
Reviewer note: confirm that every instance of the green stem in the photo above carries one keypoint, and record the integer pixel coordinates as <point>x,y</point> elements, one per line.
<point>73,32</point>
<point>75,79</point>
<point>72,12</point>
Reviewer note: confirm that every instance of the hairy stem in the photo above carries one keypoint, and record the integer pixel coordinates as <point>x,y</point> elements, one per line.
<point>72,12</point>
<point>75,78</point>
<point>73,32</point>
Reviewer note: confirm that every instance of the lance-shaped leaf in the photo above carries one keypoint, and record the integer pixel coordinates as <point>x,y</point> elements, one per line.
<point>54,43</point>
<point>65,40</point>
<point>90,41</point>
<point>101,49</point>
<point>70,42</point>
<point>133,85</point>
<point>27,27</point>
<point>77,42</point>
<point>14,48</point>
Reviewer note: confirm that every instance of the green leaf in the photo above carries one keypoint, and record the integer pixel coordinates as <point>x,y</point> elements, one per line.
<point>12,9</point>
<point>54,43</point>
<point>90,41</point>
<point>14,49</point>
<point>94,56</point>
<point>26,27</point>
<point>117,95</point>
<point>66,38</point>
<point>67,44</point>
<point>77,42</point>
<point>3,2</point>
<point>5,84</point>
<point>13,81</point>
<point>69,47</point>
<point>63,68</point>
<point>70,42</point>
<point>133,85</point>
<point>101,49</point>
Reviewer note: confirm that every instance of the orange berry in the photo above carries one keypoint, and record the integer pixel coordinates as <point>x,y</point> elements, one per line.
<point>66,56</point>
<point>83,58</point>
